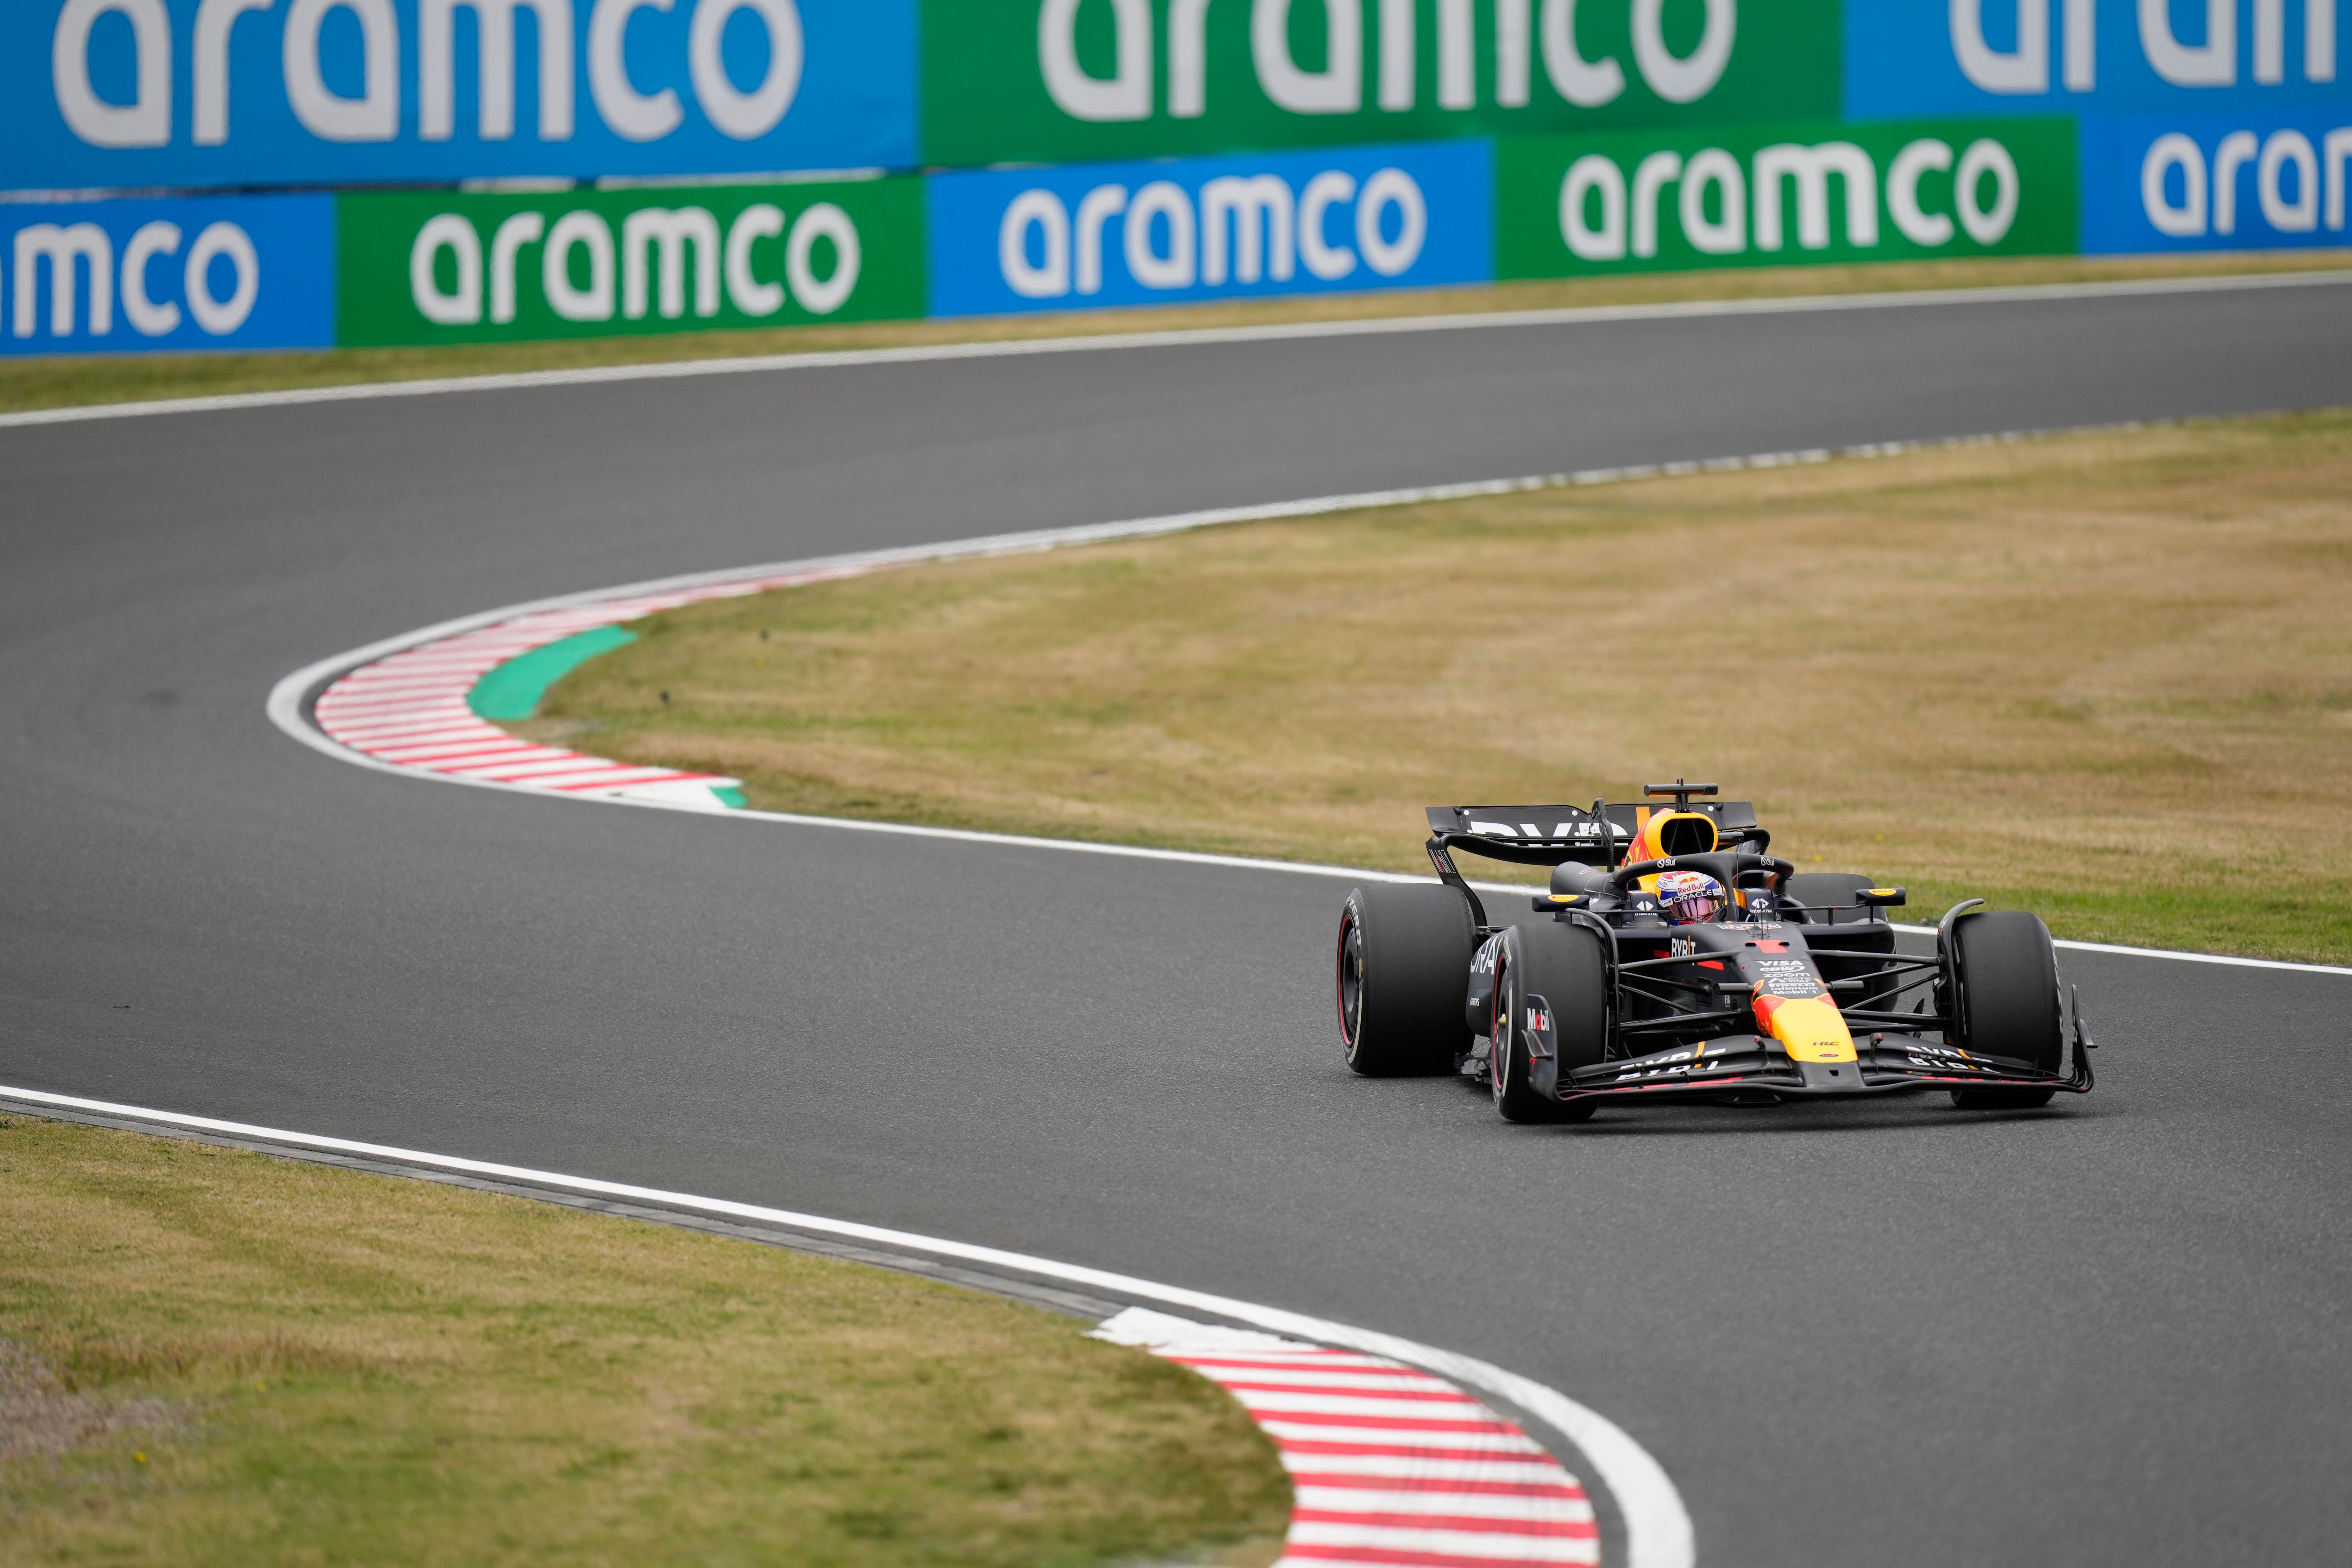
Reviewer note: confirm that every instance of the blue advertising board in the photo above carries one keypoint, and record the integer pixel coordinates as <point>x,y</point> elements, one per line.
<point>1079,235</point>
<point>178,93</point>
<point>208,272</point>
<point>1910,57</point>
<point>2214,181</point>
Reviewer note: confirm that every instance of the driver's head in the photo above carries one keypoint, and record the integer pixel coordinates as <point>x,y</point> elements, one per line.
<point>1689,897</point>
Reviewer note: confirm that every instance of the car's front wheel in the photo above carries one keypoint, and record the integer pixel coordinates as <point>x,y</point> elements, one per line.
<point>2006,974</point>
<point>1562,964</point>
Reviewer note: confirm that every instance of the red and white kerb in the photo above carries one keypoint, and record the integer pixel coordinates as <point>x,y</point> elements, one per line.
<point>408,710</point>
<point>1389,1464</point>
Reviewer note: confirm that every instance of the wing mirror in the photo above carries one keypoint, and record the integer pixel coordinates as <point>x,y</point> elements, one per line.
<point>1882,898</point>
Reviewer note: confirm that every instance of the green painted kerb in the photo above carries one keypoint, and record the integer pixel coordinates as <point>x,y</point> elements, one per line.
<point>513,690</point>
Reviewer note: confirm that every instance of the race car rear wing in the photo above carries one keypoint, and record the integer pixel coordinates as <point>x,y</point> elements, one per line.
<point>1548,835</point>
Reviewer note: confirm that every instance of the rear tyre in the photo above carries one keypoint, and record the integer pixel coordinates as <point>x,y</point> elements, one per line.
<point>1564,964</point>
<point>1405,966</point>
<point>2006,1001</point>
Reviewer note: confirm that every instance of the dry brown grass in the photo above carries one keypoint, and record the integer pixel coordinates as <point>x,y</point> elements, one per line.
<point>2106,677</point>
<point>264,1362</point>
<point>57,382</point>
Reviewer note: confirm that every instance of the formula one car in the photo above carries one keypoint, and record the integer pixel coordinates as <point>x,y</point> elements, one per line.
<point>1674,959</point>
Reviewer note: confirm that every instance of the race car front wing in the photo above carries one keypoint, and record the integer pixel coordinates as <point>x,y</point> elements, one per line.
<point>1752,1069</point>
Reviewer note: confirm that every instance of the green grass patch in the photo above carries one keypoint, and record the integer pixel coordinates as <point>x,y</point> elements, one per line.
<point>60,382</point>
<point>2105,678</point>
<point>212,1357</point>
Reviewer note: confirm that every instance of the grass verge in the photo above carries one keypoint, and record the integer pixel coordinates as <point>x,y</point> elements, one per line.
<point>2107,677</point>
<point>60,382</point>
<point>215,1357</point>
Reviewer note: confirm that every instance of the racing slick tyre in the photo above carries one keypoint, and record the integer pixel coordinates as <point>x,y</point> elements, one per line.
<point>1404,965</point>
<point>2006,1001</point>
<point>1564,964</point>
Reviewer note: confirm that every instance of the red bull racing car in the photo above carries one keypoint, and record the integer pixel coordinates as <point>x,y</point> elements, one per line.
<point>1674,959</point>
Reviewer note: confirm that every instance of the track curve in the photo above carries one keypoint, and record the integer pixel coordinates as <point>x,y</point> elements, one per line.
<point>2116,1333</point>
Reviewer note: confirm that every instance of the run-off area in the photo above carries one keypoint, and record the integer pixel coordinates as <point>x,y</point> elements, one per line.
<point>2099,677</point>
<point>209,1355</point>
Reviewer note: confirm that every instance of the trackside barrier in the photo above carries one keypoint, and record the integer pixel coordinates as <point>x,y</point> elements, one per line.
<point>126,277</point>
<point>1283,223</point>
<point>602,167</point>
<point>142,93</point>
<point>2238,58</point>
<point>145,93</point>
<point>183,94</point>
<point>417,268</point>
<point>1775,195</point>
<point>2227,181</point>
<point>1063,81</point>
<point>447,267</point>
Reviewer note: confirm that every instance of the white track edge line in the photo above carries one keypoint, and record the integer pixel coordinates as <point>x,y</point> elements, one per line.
<point>2172,952</point>
<point>1658,1528</point>
<point>1179,337</point>
<point>286,697</point>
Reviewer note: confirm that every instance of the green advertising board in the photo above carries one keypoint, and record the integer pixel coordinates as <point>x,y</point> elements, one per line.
<point>443,266</point>
<point>1770,195</point>
<point>1071,80</point>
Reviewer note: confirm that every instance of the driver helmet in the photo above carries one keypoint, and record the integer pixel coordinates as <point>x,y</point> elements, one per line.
<point>1690,897</point>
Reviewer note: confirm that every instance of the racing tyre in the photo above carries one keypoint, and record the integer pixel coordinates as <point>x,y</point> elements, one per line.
<point>1564,964</point>
<point>1404,965</point>
<point>2007,1002</point>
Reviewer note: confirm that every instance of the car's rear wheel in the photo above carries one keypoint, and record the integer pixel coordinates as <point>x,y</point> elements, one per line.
<point>2006,1001</point>
<point>1404,967</point>
<point>1564,964</point>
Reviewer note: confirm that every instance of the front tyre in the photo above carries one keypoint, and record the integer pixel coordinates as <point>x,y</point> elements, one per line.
<point>2006,983</point>
<point>1564,964</point>
<point>1404,968</point>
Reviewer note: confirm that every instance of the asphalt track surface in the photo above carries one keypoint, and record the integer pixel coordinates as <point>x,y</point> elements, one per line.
<point>2114,1333</point>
